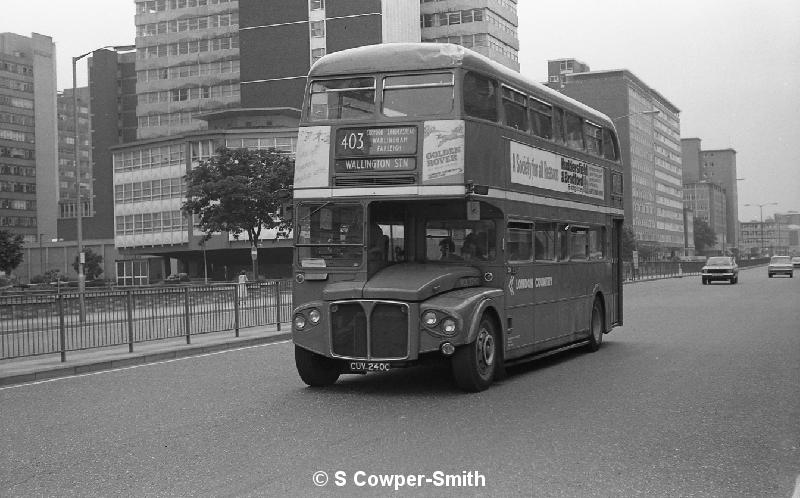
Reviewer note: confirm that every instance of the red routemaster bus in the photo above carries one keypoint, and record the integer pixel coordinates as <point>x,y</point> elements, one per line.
<point>446,206</point>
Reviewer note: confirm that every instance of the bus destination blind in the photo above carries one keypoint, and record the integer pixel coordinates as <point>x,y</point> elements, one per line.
<point>356,165</point>
<point>387,141</point>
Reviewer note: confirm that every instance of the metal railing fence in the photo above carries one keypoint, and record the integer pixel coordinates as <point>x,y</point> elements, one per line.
<point>661,269</point>
<point>38,323</point>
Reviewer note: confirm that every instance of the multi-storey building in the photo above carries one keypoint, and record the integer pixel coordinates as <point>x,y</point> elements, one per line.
<point>29,179</point>
<point>486,26</point>
<point>182,57</point>
<point>558,69</point>
<point>707,200</point>
<point>187,63</point>
<point>155,238</point>
<point>717,166</point>
<point>768,237</point>
<point>650,143</point>
<point>281,40</point>
<point>67,189</point>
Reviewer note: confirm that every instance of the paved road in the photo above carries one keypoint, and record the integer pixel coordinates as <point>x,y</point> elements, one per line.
<point>698,395</point>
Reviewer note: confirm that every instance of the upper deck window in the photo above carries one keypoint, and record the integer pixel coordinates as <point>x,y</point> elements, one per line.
<point>594,138</point>
<point>418,95</point>
<point>349,98</point>
<point>610,146</point>
<point>574,130</point>
<point>480,97</point>
<point>542,119</point>
<point>514,107</point>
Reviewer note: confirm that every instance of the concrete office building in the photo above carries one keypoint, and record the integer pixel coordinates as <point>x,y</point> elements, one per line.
<point>558,69</point>
<point>153,235</point>
<point>187,63</point>
<point>719,167</point>
<point>67,192</point>
<point>707,200</point>
<point>29,176</point>
<point>182,56</point>
<point>768,238</point>
<point>485,26</point>
<point>108,105</point>
<point>281,40</point>
<point>650,144</point>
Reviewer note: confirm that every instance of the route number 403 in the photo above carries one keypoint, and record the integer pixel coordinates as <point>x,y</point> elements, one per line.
<point>353,141</point>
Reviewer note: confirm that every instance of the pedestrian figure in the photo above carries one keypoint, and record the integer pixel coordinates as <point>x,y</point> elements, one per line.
<point>242,285</point>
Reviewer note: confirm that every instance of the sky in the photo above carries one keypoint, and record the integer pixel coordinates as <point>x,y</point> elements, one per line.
<point>731,66</point>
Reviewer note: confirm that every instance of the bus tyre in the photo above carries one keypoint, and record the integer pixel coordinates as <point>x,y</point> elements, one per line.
<point>315,370</point>
<point>596,326</point>
<point>474,365</point>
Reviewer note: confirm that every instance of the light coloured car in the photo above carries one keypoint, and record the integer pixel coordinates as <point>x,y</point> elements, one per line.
<point>796,261</point>
<point>780,265</point>
<point>720,268</point>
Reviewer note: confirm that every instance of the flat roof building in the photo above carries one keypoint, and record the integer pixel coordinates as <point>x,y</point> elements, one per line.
<point>488,27</point>
<point>29,176</point>
<point>187,63</point>
<point>707,200</point>
<point>651,150</point>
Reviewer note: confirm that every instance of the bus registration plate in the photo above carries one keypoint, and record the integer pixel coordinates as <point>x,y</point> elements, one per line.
<point>369,366</point>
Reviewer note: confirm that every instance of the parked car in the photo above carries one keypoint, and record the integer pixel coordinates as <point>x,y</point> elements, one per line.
<point>780,265</point>
<point>796,261</point>
<point>720,268</point>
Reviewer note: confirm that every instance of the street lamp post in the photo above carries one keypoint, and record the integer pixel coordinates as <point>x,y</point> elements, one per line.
<point>41,255</point>
<point>642,113</point>
<point>78,204</point>
<point>761,213</point>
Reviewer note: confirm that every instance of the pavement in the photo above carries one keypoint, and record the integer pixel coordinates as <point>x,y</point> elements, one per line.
<point>38,368</point>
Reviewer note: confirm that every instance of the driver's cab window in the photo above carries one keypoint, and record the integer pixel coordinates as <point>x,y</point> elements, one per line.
<point>386,242</point>
<point>460,241</point>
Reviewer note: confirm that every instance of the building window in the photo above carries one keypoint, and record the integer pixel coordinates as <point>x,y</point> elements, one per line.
<point>317,29</point>
<point>317,54</point>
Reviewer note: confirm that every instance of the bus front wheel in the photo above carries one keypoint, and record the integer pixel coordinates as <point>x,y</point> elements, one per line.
<point>474,365</point>
<point>315,370</point>
<point>596,326</point>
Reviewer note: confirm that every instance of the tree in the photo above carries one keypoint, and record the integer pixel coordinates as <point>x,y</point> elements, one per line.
<point>10,251</point>
<point>240,190</point>
<point>93,267</point>
<point>704,236</point>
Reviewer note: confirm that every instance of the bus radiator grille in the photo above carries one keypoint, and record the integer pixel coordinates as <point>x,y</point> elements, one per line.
<point>349,330</point>
<point>387,329</point>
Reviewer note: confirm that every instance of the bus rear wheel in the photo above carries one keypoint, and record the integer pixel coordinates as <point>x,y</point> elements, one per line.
<point>315,370</point>
<point>596,326</point>
<point>474,365</point>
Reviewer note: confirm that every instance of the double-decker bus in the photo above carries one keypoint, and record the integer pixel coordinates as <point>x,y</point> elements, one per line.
<point>446,206</point>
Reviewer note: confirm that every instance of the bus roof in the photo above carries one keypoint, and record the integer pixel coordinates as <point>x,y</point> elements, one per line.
<point>390,57</point>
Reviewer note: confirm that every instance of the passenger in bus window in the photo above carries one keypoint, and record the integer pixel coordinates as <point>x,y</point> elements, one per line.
<point>479,97</point>
<point>378,242</point>
<point>448,250</point>
<point>469,250</point>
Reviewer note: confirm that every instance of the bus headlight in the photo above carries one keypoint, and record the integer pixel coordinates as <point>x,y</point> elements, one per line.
<point>449,326</point>
<point>429,318</point>
<point>299,322</point>
<point>314,316</point>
